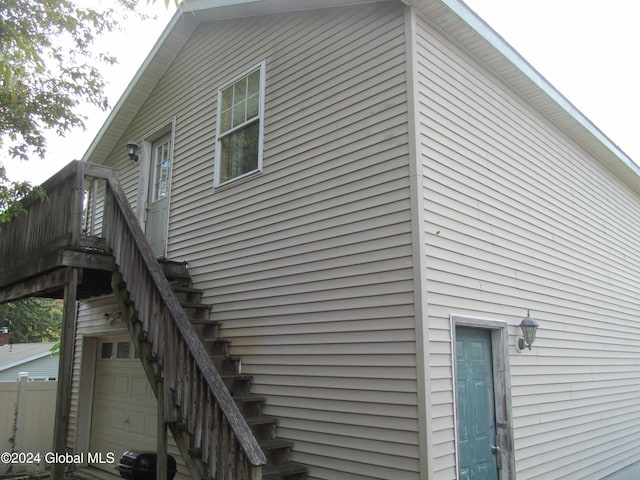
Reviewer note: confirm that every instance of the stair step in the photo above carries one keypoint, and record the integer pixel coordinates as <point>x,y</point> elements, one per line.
<point>277,450</point>
<point>263,427</point>
<point>176,272</point>
<point>238,384</point>
<point>288,471</point>
<point>187,294</point>
<point>206,330</point>
<point>225,364</point>
<point>250,398</point>
<point>216,347</point>
<point>196,311</point>
<point>261,420</point>
<point>250,405</point>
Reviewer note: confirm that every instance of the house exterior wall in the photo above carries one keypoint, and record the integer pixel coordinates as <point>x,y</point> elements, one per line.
<point>311,268</point>
<point>308,265</point>
<point>518,216</point>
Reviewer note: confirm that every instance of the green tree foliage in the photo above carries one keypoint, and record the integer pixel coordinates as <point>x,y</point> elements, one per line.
<point>32,320</point>
<point>48,67</point>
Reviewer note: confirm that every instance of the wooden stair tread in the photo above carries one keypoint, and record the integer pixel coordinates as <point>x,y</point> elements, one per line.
<point>287,469</point>
<point>275,443</point>
<point>261,419</point>
<point>250,398</point>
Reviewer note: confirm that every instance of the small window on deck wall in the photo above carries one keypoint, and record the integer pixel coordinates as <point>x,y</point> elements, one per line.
<point>240,126</point>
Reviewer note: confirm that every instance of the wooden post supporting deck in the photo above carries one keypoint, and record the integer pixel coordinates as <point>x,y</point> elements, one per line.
<point>161,460</point>
<point>67,337</point>
<point>65,369</point>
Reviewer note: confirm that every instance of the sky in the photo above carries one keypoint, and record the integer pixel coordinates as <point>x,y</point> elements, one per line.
<point>587,49</point>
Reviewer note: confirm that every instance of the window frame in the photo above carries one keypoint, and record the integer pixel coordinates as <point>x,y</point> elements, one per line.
<point>218,182</point>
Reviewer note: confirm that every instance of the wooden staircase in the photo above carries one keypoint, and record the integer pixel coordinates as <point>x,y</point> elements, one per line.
<point>85,241</point>
<point>263,427</point>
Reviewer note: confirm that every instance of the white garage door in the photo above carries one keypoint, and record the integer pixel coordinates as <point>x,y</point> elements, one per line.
<point>124,406</point>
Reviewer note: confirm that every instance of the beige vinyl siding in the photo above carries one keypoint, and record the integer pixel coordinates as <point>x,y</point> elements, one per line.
<point>309,264</point>
<point>518,216</point>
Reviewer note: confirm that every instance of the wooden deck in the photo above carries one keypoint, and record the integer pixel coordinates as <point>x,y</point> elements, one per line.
<point>37,248</point>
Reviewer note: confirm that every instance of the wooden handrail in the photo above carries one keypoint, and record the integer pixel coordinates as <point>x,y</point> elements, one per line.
<point>190,381</point>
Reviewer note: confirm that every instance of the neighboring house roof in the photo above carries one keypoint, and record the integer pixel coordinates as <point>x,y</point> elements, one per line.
<point>452,17</point>
<point>16,354</point>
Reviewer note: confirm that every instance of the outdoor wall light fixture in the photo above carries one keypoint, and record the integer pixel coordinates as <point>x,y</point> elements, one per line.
<point>132,151</point>
<point>529,327</point>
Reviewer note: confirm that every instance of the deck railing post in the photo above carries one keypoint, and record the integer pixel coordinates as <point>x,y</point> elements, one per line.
<point>161,459</point>
<point>76,204</point>
<point>63,396</point>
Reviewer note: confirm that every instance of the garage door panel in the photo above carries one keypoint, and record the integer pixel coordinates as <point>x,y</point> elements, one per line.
<point>121,384</point>
<point>124,406</point>
<point>102,385</point>
<point>119,418</point>
<point>138,423</point>
<point>140,388</point>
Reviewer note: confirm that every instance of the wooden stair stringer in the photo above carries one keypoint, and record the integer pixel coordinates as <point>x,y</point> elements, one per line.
<point>264,428</point>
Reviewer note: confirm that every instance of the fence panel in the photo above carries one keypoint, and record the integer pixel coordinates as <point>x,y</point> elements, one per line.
<point>27,420</point>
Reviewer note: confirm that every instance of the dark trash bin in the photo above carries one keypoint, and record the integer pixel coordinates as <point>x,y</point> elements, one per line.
<point>142,466</point>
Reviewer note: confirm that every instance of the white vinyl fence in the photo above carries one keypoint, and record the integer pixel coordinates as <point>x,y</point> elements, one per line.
<point>27,411</point>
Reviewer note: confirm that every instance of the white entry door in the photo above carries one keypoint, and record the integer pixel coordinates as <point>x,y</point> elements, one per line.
<point>124,406</point>
<point>158,202</point>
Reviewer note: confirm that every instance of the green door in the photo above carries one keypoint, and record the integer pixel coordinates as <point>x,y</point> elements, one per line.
<point>476,406</point>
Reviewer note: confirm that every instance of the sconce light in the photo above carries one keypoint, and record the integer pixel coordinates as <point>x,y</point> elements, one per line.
<point>529,327</point>
<point>132,151</point>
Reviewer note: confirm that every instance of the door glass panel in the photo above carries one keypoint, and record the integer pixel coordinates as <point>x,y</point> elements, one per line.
<point>161,166</point>
<point>123,350</point>
<point>106,351</point>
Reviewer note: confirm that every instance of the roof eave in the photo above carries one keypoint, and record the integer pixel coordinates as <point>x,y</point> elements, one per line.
<point>477,38</point>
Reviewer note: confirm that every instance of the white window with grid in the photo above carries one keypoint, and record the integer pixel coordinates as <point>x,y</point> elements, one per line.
<point>240,126</point>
